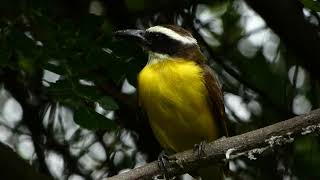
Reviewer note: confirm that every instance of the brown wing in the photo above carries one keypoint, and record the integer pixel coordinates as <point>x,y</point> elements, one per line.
<point>215,99</point>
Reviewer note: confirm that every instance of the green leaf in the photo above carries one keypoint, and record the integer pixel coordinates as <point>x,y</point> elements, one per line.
<point>55,68</point>
<point>63,92</point>
<point>96,57</point>
<point>87,92</point>
<point>108,103</point>
<point>26,64</point>
<point>311,4</point>
<point>61,87</point>
<point>92,120</point>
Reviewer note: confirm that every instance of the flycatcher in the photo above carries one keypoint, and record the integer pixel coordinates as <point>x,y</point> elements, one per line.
<point>178,91</point>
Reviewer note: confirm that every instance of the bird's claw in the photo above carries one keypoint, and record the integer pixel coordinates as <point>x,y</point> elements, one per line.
<point>199,149</point>
<point>165,162</point>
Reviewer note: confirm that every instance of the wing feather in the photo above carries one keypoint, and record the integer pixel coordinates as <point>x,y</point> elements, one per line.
<point>215,99</point>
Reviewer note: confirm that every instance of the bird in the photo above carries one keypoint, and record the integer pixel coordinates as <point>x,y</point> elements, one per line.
<point>177,90</point>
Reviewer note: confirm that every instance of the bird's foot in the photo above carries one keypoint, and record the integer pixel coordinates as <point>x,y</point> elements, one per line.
<point>165,162</point>
<point>199,149</point>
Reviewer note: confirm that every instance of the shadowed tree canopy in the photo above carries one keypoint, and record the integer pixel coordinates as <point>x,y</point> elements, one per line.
<point>68,105</point>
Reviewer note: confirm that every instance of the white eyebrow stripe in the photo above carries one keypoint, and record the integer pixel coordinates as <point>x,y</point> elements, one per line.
<point>172,34</point>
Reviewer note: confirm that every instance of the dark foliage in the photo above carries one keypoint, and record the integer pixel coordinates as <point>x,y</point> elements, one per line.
<point>61,68</point>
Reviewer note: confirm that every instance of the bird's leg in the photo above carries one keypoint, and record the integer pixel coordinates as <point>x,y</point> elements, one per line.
<point>165,162</point>
<point>199,149</point>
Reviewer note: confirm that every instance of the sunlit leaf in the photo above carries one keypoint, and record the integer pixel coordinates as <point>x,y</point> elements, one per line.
<point>26,64</point>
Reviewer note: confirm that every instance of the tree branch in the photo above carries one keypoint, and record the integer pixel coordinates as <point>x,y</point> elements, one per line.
<point>250,144</point>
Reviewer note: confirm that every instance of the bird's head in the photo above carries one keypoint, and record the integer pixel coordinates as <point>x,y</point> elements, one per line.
<point>167,41</point>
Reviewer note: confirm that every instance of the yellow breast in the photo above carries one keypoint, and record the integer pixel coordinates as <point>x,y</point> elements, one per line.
<point>174,96</point>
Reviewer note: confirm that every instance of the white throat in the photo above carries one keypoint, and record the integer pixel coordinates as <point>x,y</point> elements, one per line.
<point>157,57</point>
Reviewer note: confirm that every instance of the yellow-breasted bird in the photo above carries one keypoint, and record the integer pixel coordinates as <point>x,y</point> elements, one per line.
<point>177,90</point>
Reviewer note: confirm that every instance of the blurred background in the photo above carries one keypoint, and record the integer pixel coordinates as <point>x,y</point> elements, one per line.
<point>68,98</point>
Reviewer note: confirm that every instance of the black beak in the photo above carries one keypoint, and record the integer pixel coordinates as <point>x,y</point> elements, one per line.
<point>134,35</point>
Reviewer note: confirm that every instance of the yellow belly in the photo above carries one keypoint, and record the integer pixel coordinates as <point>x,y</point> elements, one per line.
<point>174,96</point>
